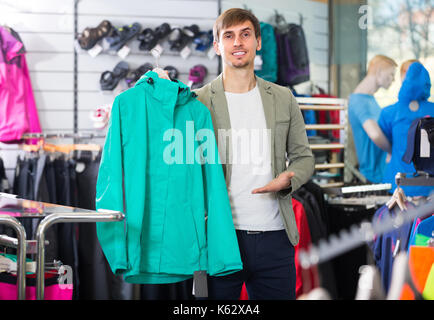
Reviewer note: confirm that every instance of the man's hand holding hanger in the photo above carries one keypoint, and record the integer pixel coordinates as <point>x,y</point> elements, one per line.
<point>163,74</point>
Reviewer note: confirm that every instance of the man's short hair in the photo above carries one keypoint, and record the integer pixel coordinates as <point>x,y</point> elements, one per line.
<point>232,17</point>
<point>380,62</point>
<point>405,65</point>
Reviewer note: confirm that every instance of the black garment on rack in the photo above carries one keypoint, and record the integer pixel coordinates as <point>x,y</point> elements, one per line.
<point>169,291</point>
<point>318,193</point>
<point>4,183</point>
<point>97,282</point>
<point>24,188</point>
<point>67,240</point>
<point>42,193</point>
<point>346,266</point>
<point>315,213</point>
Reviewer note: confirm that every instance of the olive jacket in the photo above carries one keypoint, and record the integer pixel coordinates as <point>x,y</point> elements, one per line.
<point>290,149</point>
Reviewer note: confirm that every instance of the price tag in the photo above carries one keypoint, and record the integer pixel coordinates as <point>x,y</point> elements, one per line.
<point>80,166</point>
<point>200,285</point>
<point>424,144</point>
<point>96,50</point>
<point>123,52</point>
<point>185,52</point>
<point>157,51</point>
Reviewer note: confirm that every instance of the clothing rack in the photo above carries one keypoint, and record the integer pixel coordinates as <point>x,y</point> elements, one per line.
<point>67,217</point>
<point>81,135</point>
<point>422,179</point>
<point>360,188</point>
<point>367,202</point>
<point>10,242</point>
<point>358,235</point>
<point>50,214</point>
<point>21,253</point>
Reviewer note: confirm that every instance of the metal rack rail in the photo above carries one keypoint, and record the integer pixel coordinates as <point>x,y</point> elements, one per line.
<point>49,214</point>
<point>21,253</point>
<point>68,217</point>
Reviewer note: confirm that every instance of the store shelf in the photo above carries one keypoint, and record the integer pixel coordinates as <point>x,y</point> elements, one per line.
<point>325,166</point>
<point>332,185</point>
<point>325,126</point>
<point>322,107</point>
<point>327,146</point>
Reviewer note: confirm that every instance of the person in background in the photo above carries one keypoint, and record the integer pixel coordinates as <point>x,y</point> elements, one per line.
<point>395,121</point>
<point>363,113</point>
<point>404,67</point>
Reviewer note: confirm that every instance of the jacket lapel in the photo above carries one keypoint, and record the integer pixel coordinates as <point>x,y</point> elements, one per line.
<point>268,104</point>
<point>221,117</point>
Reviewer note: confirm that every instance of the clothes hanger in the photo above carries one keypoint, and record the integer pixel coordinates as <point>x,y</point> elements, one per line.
<point>161,73</point>
<point>33,147</point>
<point>280,22</point>
<point>398,198</point>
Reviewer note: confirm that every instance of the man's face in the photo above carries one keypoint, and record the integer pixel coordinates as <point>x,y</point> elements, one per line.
<point>238,45</point>
<point>386,77</point>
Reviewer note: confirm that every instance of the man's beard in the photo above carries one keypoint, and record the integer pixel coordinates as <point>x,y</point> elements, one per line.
<point>241,66</point>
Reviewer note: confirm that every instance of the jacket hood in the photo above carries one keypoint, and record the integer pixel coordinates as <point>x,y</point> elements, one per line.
<point>163,89</point>
<point>416,84</point>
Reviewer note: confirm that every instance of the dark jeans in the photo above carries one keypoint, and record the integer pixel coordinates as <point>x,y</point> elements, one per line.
<point>268,269</point>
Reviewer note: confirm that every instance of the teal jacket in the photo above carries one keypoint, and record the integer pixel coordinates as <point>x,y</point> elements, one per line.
<point>160,166</point>
<point>268,53</point>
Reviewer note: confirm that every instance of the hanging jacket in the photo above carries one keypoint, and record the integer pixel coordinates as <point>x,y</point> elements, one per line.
<point>166,178</point>
<point>268,53</point>
<point>18,114</point>
<point>395,121</point>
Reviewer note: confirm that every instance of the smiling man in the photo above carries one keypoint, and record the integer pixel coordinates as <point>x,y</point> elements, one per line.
<point>260,199</point>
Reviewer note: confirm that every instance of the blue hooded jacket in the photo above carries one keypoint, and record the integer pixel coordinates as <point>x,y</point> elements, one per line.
<point>395,121</point>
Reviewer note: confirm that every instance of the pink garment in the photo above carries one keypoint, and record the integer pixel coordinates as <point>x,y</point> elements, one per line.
<point>18,113</point>
<point>52,290</point>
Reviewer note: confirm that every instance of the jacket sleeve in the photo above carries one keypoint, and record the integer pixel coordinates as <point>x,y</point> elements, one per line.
<point>301,159</point>
<point>223,251</point>
<point>109,194</point>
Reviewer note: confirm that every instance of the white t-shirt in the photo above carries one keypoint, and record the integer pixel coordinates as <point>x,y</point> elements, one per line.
<point>251,164</point>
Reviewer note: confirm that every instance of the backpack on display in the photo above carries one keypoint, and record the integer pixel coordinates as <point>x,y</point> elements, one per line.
<point>293,58</point>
